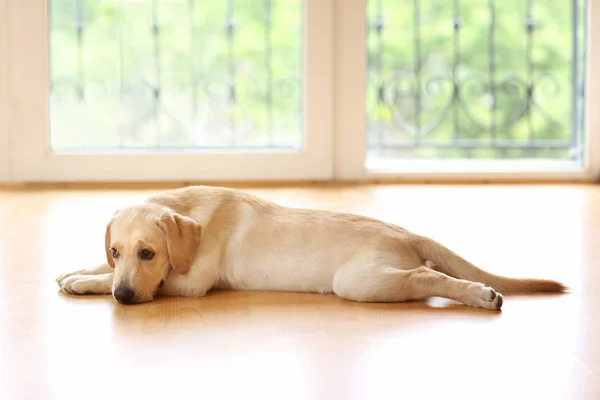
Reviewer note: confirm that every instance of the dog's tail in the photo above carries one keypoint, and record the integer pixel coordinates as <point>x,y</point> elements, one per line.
<point>444,260</point>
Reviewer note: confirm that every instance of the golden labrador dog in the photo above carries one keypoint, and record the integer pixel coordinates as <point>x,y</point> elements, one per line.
<point>187,241</point>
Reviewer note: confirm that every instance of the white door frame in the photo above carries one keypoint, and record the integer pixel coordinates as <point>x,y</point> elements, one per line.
<point>5,153</point>
<point>350,118</point>
<point>592,92</point>
<point>28,109</point>
<point>334,119</point>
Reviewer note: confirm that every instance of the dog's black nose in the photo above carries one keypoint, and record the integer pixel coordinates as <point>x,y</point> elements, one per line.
<point>123,295</point>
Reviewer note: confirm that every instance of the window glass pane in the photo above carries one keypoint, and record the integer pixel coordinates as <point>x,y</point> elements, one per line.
<point>475,79</point>
<point>175,74</point>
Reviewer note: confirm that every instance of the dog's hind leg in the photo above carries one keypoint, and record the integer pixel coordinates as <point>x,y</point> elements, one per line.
<point>376,283</point>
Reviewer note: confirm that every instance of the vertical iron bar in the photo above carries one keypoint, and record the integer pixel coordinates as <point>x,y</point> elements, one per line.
<point>575,80</point>
<point>378,25</point>
<point>455,84</point>
<point>121,68</point>
<point>581,78</point>
<point>417,44</point>
<point>530,70</point>
<point>193,83</point>
<point>157,85</point>
<point>80,25</point>
<point>231,59</point>
<point>301,77</point>
<point>269,67</point>
<point>491,68</point>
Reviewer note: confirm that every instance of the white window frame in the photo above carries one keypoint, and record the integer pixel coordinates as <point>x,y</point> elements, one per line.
<point>350,140</point>
<point>26,33</point>
<point>5,153</point>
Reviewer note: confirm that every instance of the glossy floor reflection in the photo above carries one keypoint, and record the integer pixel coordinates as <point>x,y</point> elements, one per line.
<point>299,346</point>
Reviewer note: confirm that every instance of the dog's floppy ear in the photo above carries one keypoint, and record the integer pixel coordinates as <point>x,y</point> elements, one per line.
<point>109,255</point>
<point>183,239</point>
<point>107,250</point>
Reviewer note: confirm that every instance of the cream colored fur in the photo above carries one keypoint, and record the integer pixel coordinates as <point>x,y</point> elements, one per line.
<point>206,237</point>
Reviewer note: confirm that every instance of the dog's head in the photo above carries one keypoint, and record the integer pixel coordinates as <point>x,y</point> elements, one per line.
<point>142,244</point>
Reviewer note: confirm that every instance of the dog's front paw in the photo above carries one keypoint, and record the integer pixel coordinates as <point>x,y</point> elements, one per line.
<point>62,278</point>
<point>100,269</point>
<point>85,284</point>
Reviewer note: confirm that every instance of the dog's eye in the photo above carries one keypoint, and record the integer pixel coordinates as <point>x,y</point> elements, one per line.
<point>115,253</point>
<point>146,254</point>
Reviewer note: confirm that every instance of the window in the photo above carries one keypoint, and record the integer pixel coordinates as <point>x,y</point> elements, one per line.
<point>291,89</point>
<point>170,90</point>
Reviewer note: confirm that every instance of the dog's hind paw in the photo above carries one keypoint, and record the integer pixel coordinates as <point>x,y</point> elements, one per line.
<point>492,300</point>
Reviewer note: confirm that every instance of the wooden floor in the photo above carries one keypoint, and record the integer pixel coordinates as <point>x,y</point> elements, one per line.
<point>241,345</point>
